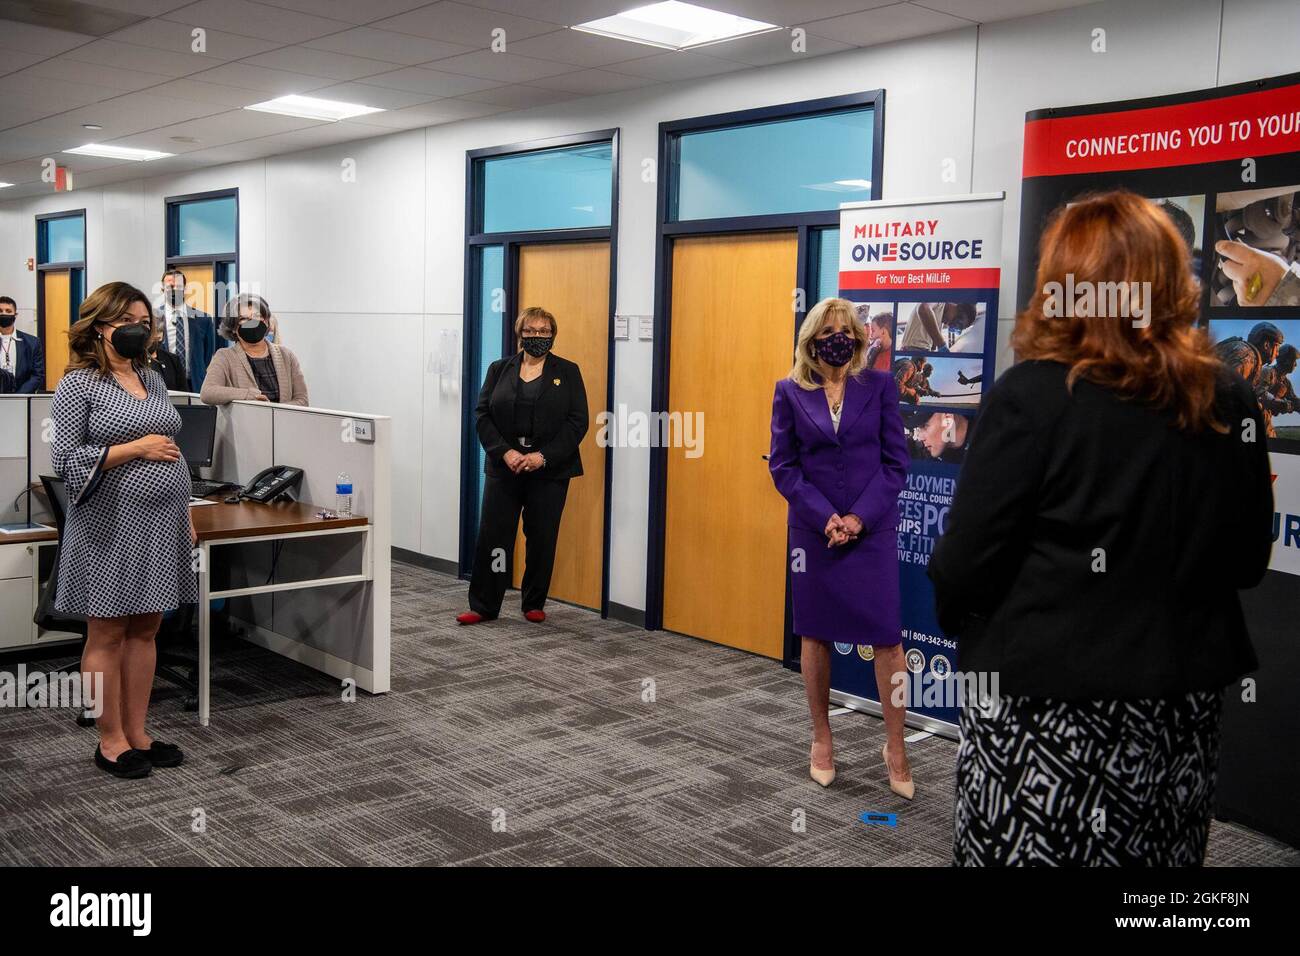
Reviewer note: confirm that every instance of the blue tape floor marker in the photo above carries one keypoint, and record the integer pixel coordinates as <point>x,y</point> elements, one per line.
<point>873,819</point>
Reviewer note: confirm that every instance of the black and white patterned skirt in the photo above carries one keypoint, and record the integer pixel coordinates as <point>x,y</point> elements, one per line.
<point>1086,783</point>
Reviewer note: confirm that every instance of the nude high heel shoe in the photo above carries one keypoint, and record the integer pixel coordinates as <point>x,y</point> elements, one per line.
<point>904,788</point>
<point>823,777</point>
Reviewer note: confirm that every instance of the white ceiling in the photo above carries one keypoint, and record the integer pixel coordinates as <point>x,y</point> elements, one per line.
<point>128,66</point>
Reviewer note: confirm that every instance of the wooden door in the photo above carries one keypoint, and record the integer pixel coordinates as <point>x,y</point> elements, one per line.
<point>571,281</point>
<point>725,527</point>
<point>198,288</point>
<point>56,316</point>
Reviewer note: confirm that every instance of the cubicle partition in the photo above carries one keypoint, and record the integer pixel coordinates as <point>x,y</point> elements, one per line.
<point>342,629</point>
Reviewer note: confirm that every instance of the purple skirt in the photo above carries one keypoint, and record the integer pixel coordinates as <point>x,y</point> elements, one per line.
<point>849,594</point>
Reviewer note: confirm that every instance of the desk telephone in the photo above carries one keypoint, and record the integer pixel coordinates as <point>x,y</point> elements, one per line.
<point>271,484</point>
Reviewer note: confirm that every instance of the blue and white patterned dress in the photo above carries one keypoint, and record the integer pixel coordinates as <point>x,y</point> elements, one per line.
<point>126,538</point>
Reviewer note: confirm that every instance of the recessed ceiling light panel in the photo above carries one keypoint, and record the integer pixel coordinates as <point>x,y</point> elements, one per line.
<point>105,151</point>
<point>674,25</point>
<point>309,107</point>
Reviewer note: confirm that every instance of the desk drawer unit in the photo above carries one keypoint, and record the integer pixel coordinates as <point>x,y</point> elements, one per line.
<point>17,560</point>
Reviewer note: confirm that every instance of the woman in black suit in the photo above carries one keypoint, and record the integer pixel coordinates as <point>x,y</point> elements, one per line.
<point>1115,496</point>
<point>531,416</point>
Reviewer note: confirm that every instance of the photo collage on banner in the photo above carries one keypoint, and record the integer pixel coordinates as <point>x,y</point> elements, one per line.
<point>1225,165</point>
<point>924,276</point>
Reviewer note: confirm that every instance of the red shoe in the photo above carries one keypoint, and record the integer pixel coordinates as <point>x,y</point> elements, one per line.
<point>469,617</point>
<point>537,617</point>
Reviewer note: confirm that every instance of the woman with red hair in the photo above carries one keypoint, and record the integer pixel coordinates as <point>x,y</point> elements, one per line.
<point>1115,496</point>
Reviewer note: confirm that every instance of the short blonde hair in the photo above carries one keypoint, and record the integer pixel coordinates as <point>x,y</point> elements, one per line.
<point>535,312</point>
<point>806,372</point>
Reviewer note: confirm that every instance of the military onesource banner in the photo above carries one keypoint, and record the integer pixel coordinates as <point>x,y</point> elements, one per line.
<point>924,275</point>
<point>1225,166</point>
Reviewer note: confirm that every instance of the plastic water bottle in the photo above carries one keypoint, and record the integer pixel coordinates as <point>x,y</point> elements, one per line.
<point>343,495</point>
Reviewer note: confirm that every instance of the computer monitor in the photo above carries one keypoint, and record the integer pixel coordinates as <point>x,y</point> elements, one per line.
<point>197,435</point>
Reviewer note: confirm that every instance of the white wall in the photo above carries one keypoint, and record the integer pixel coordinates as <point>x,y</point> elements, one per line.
<point>367,275</point>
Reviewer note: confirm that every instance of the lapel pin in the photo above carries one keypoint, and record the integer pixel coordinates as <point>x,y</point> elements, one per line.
<point>557,381</point>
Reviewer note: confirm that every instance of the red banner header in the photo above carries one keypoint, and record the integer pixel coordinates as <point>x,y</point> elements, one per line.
<point>1259,123</point>
<point>893,280</point>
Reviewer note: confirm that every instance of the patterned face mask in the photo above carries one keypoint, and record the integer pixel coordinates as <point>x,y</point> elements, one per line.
<point>835,350</point>
<point>537,345</point>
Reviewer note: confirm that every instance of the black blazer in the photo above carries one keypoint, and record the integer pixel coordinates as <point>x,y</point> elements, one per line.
<point>559,421</point>
<point>167,365</point>
<point>1054,485</point>
<point>29,363</point>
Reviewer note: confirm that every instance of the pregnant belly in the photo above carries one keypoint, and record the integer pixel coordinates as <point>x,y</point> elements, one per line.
<point>146,483</point>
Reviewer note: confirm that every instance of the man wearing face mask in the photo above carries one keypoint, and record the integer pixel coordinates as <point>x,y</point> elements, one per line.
<point>22,366</point>
<point>188,334</point>
<point>531,417</point>
<point>254,369</point>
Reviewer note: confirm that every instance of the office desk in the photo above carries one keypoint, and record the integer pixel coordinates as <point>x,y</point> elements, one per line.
<point>223,525</point>
<point>20,589</point>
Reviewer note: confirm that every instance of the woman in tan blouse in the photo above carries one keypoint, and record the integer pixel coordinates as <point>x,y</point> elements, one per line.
<point>253,369</point>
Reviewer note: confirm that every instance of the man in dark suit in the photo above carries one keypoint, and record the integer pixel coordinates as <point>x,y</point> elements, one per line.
<point>22,361</point>
<point>188,334</point>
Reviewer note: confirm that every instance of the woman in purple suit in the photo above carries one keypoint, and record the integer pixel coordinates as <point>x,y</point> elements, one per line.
<point>840,459</point>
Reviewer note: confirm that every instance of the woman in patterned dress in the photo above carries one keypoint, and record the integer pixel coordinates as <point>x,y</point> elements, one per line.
<point>1115,496</point>
<point>125,555</point>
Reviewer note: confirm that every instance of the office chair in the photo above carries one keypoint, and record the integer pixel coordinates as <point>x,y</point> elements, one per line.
<point>180,670</point>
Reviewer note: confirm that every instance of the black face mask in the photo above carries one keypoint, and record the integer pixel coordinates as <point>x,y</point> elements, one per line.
<point>7,321</point>
<point>252,331</point>
<point>129,341</point>
<point>538,345</point>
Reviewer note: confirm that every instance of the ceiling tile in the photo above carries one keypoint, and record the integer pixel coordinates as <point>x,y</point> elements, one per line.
<point>255,20</point>
<point>776,46</point>
<point>57,94</point>
<point>590,82</point>
<point>275,82</point>
<point>13,60</point>
<point>379,96</point>
<point>414,79</point>
<point>504,67</point>
<point>92,74</point>
<point>337,66</point>
<point>215,94</point>
<point>428,114</point>
<point>132,113</point>
<point>580,49</point>
<point>518,97</point>
<point>459,23</point>
<point>229,127</point>
<point>27,38</point>
<point>987,11</point>
<point>130,56</point>
<point>145,8</point>
<point>564,12</point>
<point>789,13</point>
<point>896,22</point>
<point>348,10</point>
<point>386,45</point>
<point>219,46</point>
<point>681,65</point>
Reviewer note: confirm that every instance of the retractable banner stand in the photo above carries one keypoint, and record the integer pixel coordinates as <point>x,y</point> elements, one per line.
<point>1225,165</point>
<point>924,276</point>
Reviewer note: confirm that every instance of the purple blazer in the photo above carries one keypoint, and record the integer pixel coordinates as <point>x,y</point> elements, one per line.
<point>858,471</point>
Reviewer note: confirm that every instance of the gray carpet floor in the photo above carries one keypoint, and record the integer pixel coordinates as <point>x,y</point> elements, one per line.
<point>502,744</point>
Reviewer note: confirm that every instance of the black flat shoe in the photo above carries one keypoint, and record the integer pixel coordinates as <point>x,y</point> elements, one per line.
<point>129,765</point>
<point>164,755</point>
